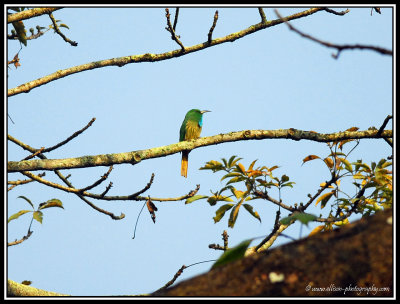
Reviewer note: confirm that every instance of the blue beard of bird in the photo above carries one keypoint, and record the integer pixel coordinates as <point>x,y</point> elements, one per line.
<point>201,121</point>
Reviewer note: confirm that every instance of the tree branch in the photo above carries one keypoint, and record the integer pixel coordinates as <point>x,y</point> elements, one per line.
<point>135,157</point>
<point>27,14</point>
<point>339,48</point>
<point>121,61</point>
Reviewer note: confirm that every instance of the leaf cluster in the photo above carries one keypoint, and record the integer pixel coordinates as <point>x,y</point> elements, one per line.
<point>37,214</point>
<point>253,179</point>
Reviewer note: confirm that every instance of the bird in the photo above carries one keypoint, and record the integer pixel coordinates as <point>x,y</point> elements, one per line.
<point>190,129</point>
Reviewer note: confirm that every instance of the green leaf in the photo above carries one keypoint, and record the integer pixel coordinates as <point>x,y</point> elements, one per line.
<point>51,203</point>
<point>249,208</point>
<point>232,161</point>
<point>232,254</point>
<point>284,178</point>
<point>324,198</point>
<point>304,218</point>
<point>195,198</point>
<point>234,214</point>
<point>212,165</point>
<point>347,164</point>
<point>252,165</point>
<point>28,200</point>
<point>18,214</point>
<point>38,215</point>
<point>219,214</point>
<point>289,184</point>
<point>64,25</point>
<point>230,175</point>
<point>235,180</point>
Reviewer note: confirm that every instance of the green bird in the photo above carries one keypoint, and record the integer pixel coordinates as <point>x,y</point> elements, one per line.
<point>190,129</point>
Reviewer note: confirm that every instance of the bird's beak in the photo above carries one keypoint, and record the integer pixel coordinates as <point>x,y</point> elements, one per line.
<point>204,111</point>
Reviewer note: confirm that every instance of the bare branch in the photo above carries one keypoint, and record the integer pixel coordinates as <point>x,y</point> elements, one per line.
<point>77,133</point>
<point>121,61</point>
<point>262,14</point>
<point>171,29</point>
<point>57,30</point>
<point>176,18</point>
<point>339,48</point>
<point>385,122</point>
<point>98,182</point>
<point>24,238</point>
<point>212,27</point>
<point>22,182</point>
<point>335,12</point>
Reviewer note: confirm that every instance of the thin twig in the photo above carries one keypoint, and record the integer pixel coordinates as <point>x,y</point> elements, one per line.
<point>264,195</point>
<point>147,187</point>
<point>24,238</point>
<point>57,30</point>
<point>22,182</point>
<point>339,48</point>
<point>172,31</point>
<point>34,154</point>
<point>210,32</point>
<point>71,137</point>
<point>176,18</point>
<point>98,182</point>
<point>342,13</point>
<point>274,230</point>
<point>262,14</point>
<point>385,122</point>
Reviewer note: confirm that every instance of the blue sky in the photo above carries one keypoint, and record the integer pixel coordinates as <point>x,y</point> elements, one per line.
<point>272,79</point>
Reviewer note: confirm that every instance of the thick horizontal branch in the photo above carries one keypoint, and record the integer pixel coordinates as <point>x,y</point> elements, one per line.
<point>148,57</point>
<point>135,157</point>
<point>27,14</point>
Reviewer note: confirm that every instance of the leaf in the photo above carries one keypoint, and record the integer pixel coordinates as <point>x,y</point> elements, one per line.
<point>195,198</point>
<point>26,282</point>
<point>28,200</point>
<point>219,214</point>
<point>329,162</point>
<point>17,215</point>
<point>232,161</point>
<point>20,29</point>
<point>38,215</point>
<point>289,184</point>
<point>310,157</point>
<point>304,218</point>
<point>152,209</point>
<point>64,25</point>
<point>284,178</point>
<point>237,193</point>
<point>347,164</point>
<point>316,230</point>
<point>352,129</point>
<point>230,175</point>
<point>324,199</point>
<point>241,168</point>
<point>234,214</point>
<point>212,200</point>
<point>232,254</point>
<point>252,165</point>
<point>212,165</point>
<point>235,179</point>
<point>51,203</point>
<point>249,208</point>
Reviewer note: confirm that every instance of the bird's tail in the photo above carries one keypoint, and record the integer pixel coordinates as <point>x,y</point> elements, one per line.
<point>184,164</point>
